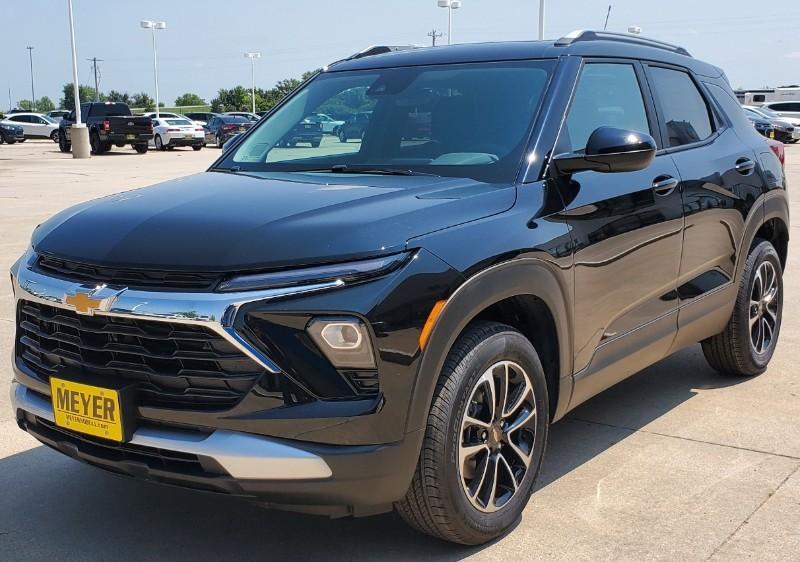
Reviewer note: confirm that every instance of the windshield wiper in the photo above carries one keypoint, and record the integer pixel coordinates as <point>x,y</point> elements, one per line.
<point>373,170</point>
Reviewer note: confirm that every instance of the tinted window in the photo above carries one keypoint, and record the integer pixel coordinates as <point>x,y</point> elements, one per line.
<point>21,118</point>
<point>234,119</point>
<point>785,106</point>
<point>607,95</point>
<point>731,108</point>
<point>178,121</point>
<point>684,109</point>
<point>759,97</point>
<point>110,110</point>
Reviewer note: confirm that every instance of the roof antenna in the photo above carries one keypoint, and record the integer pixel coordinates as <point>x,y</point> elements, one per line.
<point>608,13</point>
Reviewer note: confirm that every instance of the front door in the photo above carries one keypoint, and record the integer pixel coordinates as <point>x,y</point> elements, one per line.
<point>626,233</point>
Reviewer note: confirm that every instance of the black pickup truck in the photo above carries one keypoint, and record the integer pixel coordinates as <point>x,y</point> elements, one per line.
<point>109,123</point>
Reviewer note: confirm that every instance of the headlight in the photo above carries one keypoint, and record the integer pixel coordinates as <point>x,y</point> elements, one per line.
<point>344,341</point>
<point>342,272</point>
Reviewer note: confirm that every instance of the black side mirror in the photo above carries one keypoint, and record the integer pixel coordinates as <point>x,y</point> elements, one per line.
<point>609,150</point>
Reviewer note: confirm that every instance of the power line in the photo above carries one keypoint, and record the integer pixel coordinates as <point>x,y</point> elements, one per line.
<point>94,61</point>
<point>433,34</point>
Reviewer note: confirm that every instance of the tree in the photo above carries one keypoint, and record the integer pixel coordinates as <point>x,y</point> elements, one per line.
<point>114,95</point>
<point>86,93</point>
<point>142,101</point>
<point>45,104</point>
<point>25,104</point>
<point>189,99</point>
<point>235,99</point>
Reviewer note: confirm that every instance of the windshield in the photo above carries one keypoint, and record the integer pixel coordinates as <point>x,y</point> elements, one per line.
<point>768,113</point>
<point>461,120</point>
<point>48,118</point>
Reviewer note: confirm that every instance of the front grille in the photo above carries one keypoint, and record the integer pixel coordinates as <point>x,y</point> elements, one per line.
<point>141,279</point>
<point>175,365</point>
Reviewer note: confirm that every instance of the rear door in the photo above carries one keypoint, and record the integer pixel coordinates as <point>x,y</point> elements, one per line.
<point>720,183</point>
<point>626,230</point>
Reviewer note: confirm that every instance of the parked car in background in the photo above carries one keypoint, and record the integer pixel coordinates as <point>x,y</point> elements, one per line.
<point>223,127</point>
<point>774,117</point>
<point>306,131</point>
<point>246,114</point>
<point>201,117</point>
<point>783,130</point>
<point>11,133</point>
<point>329,124</point>
<point>58,114</point>
<point>169,132</point>
<point>762,125</point>
<point>109,124</point>
<point>34,125</point>
<point>784,108</point>
<point>354,126</point>
<point>152,115</point>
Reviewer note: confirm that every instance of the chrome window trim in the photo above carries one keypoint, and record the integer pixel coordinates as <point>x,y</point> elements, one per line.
<point>215,311</point>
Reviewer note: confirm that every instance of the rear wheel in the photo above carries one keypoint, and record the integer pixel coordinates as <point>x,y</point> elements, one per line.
<point>484,439</point>
<point>197,147</point>
<point>159,143</point>
<point>219,142</point>
<point>63,144</point>
<point>315,143</point>
<point>140,148</point>
<point>98,147</point>
<point>746,345</point>
<point>342,135</point>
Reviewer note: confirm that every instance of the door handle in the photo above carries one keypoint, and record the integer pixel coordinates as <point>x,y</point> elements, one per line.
<point>664,185</point>
<point>745,166</point>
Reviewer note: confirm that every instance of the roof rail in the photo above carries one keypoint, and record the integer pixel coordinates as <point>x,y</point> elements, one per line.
<point>379,50</point>
<point>587,35</point>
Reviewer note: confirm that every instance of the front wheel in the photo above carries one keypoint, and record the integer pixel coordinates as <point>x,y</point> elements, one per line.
<point>745,347</point>
<point>54,136</point>
<point>484,440</point>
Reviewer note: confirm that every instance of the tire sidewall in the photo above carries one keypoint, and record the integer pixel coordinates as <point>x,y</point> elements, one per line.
<point>504,346</point>
<point>764,251</point>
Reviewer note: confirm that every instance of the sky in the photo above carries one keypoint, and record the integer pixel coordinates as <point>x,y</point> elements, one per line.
<point>201,50</point>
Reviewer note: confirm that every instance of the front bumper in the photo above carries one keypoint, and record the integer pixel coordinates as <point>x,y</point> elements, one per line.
<point>354,453</point>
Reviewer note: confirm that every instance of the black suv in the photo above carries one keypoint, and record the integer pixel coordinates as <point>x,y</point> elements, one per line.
<point>397,322</point>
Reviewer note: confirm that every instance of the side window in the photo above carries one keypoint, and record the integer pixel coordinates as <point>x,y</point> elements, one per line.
<point>684,109</point>
<point>607,95</point>
<point>730,106</point>
<point>760,98</point>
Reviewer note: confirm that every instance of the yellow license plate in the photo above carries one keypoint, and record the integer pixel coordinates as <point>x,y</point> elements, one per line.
<point>87,409</point>
<point>130,137</point>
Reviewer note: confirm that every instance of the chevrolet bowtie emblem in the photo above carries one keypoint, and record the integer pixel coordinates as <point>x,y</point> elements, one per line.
<point>88,300</point>
<point>83,303</point>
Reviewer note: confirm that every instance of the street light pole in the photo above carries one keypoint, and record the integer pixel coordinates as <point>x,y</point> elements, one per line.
<point>450,5</point>
<point>253,56</point>
<point>541,20</point>
<point>78,133</point>
<point>33,94</point>
<point>153,25</point>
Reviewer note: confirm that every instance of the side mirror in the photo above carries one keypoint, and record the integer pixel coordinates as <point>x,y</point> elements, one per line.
<point>609,150</point>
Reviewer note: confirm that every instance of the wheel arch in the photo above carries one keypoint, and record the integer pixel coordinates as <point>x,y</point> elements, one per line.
<point>526,293</point>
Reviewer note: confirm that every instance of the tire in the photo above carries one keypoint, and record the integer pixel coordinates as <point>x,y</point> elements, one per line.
<point>141,148</point>
<point>197,147</point>
<point>437,501</point>
<point>54,136</point>
<point>741,350</point>
<point>2,139</point>
<point>315,144</point>
<point>342,136</point>
<point>219,142</point>
<point>159,143</point>
<point>63,144</point>
<point>96,145</point>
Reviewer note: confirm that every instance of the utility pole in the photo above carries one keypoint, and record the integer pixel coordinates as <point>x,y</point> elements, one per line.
<point>94,61</point>
<point>433,34</point>
<point>33,95</point>
<point>541,20</point>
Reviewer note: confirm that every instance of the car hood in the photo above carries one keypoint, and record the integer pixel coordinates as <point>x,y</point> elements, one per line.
<point>217,221</point>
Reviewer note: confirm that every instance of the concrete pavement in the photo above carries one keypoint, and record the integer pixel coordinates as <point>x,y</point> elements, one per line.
<point>677,462</point>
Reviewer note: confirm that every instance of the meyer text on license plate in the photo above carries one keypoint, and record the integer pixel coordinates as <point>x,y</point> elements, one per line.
<point>87,409</point>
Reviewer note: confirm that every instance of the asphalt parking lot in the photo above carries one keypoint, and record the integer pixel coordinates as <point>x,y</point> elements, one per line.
<point>675,463</point>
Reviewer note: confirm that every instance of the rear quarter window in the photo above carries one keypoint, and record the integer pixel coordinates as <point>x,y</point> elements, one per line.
<point>684,110</point>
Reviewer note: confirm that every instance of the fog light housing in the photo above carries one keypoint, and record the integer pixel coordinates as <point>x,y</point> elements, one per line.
<point>344,341</point>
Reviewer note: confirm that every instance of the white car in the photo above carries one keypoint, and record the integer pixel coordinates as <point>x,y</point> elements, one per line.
<point>329,124</point>
<point>170,132</point>
<point>766,113</point>
<point>34,125</point>
<point>164,115</point>
<point>784,108</point>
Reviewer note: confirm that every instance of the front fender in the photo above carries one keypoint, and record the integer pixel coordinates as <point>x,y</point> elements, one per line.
<point>520,276</point>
